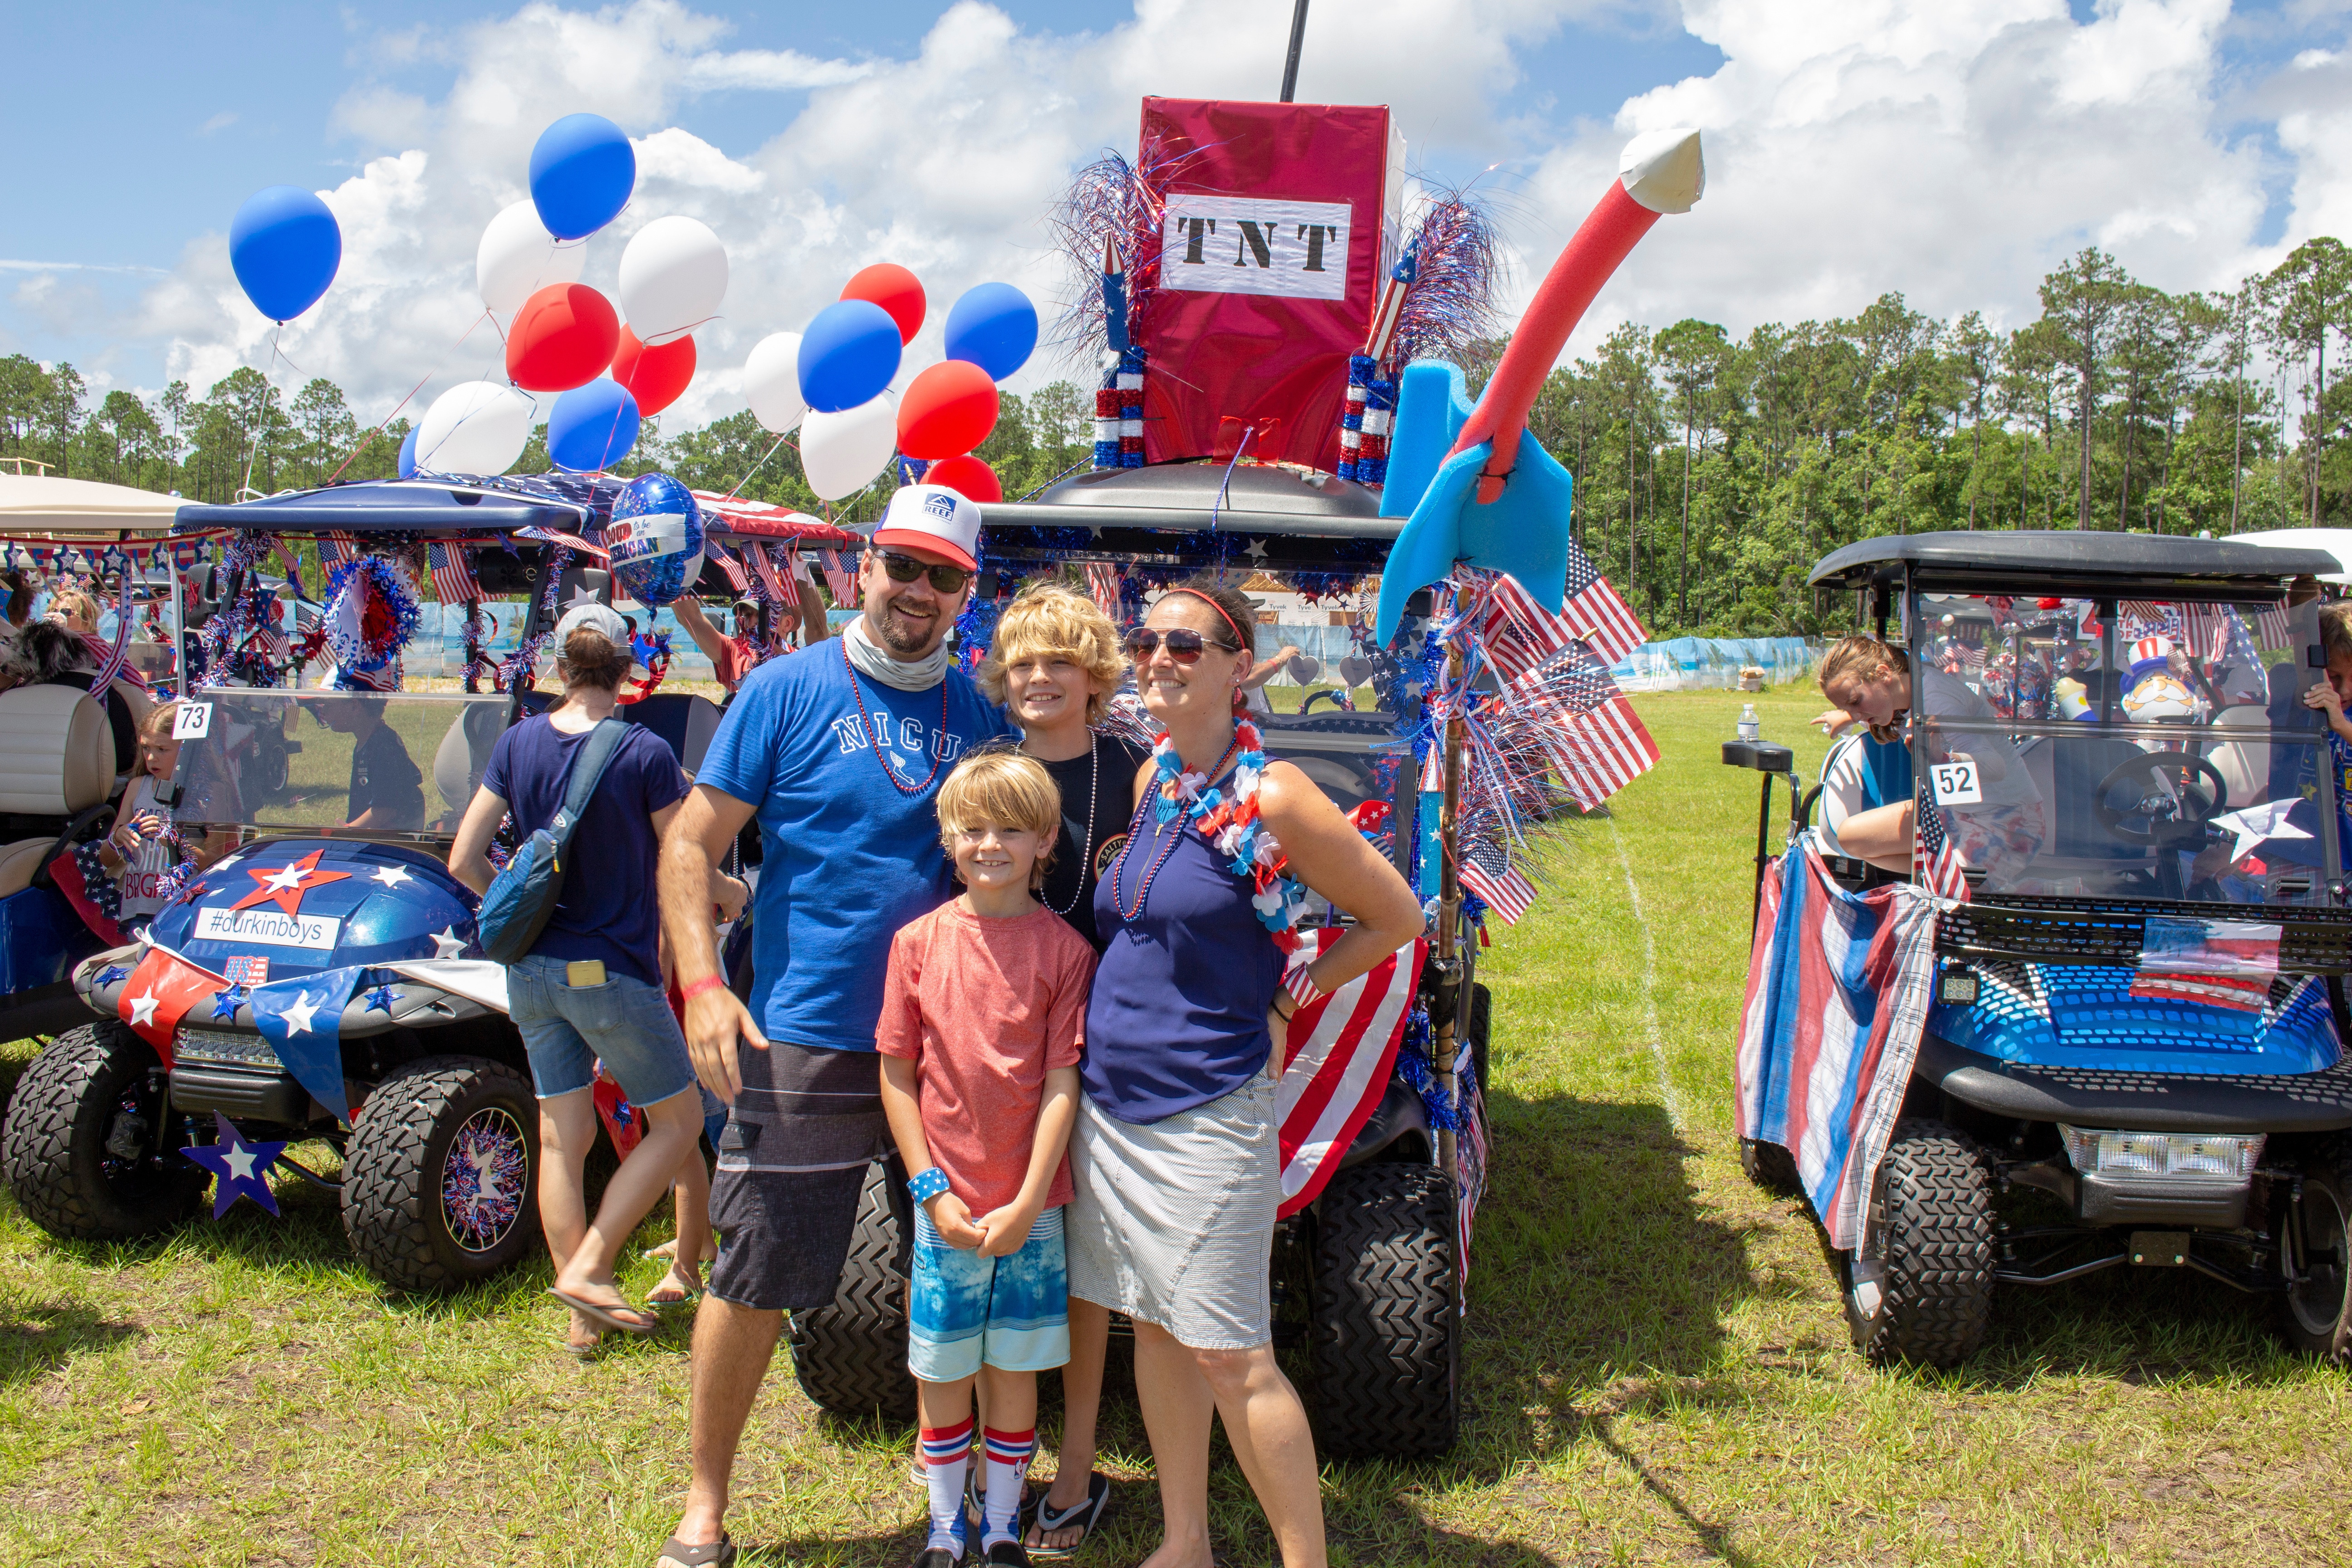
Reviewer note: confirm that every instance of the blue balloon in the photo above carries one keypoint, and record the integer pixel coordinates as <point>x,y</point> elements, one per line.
<point>995,327</point>
<point>849,356</point>
<point>581,172</point>
<point>592,428</point>
<point>284,248</point>
<point>655,538</point>
<point>408,455</point>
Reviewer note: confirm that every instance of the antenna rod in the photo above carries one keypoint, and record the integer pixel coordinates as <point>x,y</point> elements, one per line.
<point>1298,36</point>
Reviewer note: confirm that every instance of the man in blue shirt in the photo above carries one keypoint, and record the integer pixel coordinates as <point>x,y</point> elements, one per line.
<point>838,751</point>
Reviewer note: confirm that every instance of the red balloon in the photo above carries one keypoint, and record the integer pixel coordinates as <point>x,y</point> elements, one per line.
<point>654,376</point>
<point>562,337</point>
<point>968,477</point>
<point>947,410</point>
<point>897,291</point>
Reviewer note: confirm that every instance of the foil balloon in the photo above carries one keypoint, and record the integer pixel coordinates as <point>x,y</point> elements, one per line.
<point>655,538</point>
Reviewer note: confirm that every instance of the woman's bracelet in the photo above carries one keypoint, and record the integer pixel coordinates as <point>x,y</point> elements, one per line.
<point>1300,983</point>
<point>925,1185</point>
<point>708,983</point>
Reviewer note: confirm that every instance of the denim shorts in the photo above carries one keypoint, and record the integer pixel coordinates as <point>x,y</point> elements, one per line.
<point>624,1021</point>
<point>962,1309</point>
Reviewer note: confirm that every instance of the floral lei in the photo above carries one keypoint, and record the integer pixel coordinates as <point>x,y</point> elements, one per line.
<point>1229,820</point>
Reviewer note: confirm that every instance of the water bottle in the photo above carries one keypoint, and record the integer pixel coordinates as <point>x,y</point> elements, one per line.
<point>1751,728</point>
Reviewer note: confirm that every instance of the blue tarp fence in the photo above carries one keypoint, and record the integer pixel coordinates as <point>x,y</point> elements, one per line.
<point>1692,664</point>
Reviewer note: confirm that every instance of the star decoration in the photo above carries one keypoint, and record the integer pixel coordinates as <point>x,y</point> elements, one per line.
<point>391,875</point>
<point>581,594</point>
<point>224,1002</point>
<point>1256,549</point>
<point>241,1166</point>
<point>284,885</point>
<point>448,944</point>
<point>381,999</point>
<point>299,1015</point>
<point>110,974</point>
<point>143,1009</point>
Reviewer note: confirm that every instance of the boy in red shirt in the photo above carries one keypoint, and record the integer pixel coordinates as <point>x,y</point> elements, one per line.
<point>983,1013</point>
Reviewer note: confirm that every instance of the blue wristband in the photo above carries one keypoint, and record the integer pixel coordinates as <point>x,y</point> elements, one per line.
<point>927,1186</point>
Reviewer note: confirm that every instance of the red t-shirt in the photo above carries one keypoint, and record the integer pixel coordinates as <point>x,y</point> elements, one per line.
<point>985,1008</point>
<point>734,661</point>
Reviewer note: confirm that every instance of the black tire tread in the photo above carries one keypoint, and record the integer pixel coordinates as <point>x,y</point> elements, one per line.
<point>1384,1335</point>
<point>2331,1163</point>
<point>37,1147</point>
<point>850,1358</point>
<point>1938,1292</point>
<point>388,1210</point>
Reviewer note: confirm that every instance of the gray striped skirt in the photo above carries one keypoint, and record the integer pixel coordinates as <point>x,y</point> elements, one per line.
<point>1173,1220</point>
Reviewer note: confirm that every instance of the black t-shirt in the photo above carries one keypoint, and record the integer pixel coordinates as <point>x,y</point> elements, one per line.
<point>382,778</point>
<point>1085,850</point>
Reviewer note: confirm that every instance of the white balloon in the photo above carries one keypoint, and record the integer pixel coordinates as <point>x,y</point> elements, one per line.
<point>772,382</point>
<point>475,428</point>
<point>517,258</point>
<point>842,453</point>
<point>673,275</point>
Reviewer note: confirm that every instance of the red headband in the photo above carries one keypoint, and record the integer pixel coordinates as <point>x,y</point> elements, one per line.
<point>1240,637</point>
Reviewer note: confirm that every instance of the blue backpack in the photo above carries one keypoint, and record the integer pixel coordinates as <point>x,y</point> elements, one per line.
<point>521,897</point>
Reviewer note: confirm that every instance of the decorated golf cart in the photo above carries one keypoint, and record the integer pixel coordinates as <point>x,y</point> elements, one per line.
<point>2100,1023</point>
<point>320,981</point>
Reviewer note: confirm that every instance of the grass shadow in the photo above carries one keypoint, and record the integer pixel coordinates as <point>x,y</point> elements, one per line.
<point>36,1341</point>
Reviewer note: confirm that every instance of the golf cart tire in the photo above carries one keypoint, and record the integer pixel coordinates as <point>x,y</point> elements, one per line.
<point>1481,1030</point>
<point>1770,1167</point>
<point>851,1357</point>
<point>1386,1339</point>
<point>2315,1314</point>
<point>1935,1297</point>
<point>397,1159</point>
<point>54,1146</point>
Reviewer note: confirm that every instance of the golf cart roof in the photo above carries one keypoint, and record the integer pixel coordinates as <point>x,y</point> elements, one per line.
<point>2337,541</point>
<point>456,507</point>
<point>2134,565</point>
<point>1286,516</point>
<point>45,507</point>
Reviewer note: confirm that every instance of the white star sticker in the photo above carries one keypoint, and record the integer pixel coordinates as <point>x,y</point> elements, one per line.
<point>239,1161</point>
<point>392,876</point>
<point>285,880</point>
<point>299,1016</point>
<point>142,1008</point>
<point>1256,548</point>
<point>448,944</point>
<point>581,594</point>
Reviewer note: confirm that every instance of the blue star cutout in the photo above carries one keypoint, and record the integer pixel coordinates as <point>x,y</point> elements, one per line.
<point>381,999</point>
<point>224,1002</point>
<point>110,974</point>
<point>242,1165</point>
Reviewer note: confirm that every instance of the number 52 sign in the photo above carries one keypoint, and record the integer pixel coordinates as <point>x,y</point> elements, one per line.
<point>1957,782</point>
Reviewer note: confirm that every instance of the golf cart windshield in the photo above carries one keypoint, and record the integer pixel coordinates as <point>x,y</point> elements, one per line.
<point>379,765</point>
<point>2125,748</point>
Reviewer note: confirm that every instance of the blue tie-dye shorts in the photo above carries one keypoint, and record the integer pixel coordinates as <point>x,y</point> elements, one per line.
<point>1013,1313</point>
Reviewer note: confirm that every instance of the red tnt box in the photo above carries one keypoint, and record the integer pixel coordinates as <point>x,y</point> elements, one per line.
<point>1281,219</point>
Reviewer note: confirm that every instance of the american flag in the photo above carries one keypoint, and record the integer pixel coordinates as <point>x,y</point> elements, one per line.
<point>2271,626</point>
<point>569,540</point>
<point>1613,627</point>
<point>1102,582</point>
<point>453,575</point>
<point>1596,742</point>
<point>334,549</point>
<point>1487,871</point>
<point>2220,963</point>
<point>1939,865</point>
<point>1340,1052</point>
<point>766,568</point>
<point>1520,634</point>
<point>729,567</point>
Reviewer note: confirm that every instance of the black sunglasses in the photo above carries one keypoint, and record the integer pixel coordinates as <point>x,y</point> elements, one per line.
<point>1184,644</point>
<point>906,569</point>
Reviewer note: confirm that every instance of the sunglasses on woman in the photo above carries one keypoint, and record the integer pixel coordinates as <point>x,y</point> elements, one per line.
<point>1184,644</point>
<point>906,569</point>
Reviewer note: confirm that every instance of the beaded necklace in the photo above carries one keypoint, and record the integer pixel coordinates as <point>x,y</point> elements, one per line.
<point>865,719</point>
<point>1094,794</point>
<point>1135,831</point>
<point>1229,819</point>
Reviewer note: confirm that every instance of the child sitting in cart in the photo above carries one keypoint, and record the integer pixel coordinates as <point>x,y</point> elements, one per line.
<point>983,1011</point>
<point>145,848</point>
<point>2331,695</point>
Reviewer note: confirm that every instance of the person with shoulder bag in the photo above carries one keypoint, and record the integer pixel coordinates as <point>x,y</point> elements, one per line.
<point>586,984</point>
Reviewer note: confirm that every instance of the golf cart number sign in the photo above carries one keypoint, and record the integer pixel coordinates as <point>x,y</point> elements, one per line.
<point>193,721</point>
<point>1956,782</point>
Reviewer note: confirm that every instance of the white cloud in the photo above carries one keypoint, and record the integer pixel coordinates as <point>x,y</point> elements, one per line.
<point>1952,149</point>
<point>221,122</point>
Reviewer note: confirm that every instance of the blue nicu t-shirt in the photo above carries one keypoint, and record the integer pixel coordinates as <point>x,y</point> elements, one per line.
<point>848,856</point>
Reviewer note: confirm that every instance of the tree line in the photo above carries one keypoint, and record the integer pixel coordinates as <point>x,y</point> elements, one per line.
<point>1711,472</point>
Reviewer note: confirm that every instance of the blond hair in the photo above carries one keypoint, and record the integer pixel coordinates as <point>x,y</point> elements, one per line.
<point>2336,631</point>
<point>1863,655</point>
<point>1003,789</point>
<point>1047,620</point>
<point>74,603</point>
<point>157,724</point>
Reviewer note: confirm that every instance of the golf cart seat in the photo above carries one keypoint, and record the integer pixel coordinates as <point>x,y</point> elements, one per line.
<point>464,754</point>
<point>18,861</point>
<point>57,770</point>
<point>683,719</point>
<point>60,759</point>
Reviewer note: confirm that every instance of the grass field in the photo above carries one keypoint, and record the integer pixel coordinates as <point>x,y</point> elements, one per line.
<point>1656,1370</point>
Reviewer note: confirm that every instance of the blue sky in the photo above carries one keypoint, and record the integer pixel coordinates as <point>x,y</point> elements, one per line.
<point>1952,150</point>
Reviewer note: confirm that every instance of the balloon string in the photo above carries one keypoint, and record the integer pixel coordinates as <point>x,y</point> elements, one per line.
<point>758,466</point>
<point>413,391</point>
<point>253,455</point>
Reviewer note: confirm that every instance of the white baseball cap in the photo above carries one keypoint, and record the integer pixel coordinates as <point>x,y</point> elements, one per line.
<point>596,617</point>
<point>933,518</point>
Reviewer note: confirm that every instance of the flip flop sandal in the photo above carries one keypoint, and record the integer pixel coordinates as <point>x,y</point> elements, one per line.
<point>655,1298</point>
<point>582,1353</point>
<point>605,1317</point>
<point>975,1499</point>
<point>676,1553</point>
<point>1083,1516</point>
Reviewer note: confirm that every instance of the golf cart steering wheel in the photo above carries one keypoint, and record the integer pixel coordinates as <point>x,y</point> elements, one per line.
<point>2179,794</point>
<point>1333,697</point>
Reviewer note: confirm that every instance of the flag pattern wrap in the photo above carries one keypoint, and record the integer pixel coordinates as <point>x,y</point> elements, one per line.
<point>159,993</point>
<point>1839,986</point>
<point>453,575</point>
<point>1339,1054</point>
<point>2222,963</point>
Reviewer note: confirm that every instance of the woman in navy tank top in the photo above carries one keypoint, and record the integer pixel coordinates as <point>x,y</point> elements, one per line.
<point>1176,1157</point>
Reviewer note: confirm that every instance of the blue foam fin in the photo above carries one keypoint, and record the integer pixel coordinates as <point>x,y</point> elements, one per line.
<point>1524,533</point>
<point>1432,405</point>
